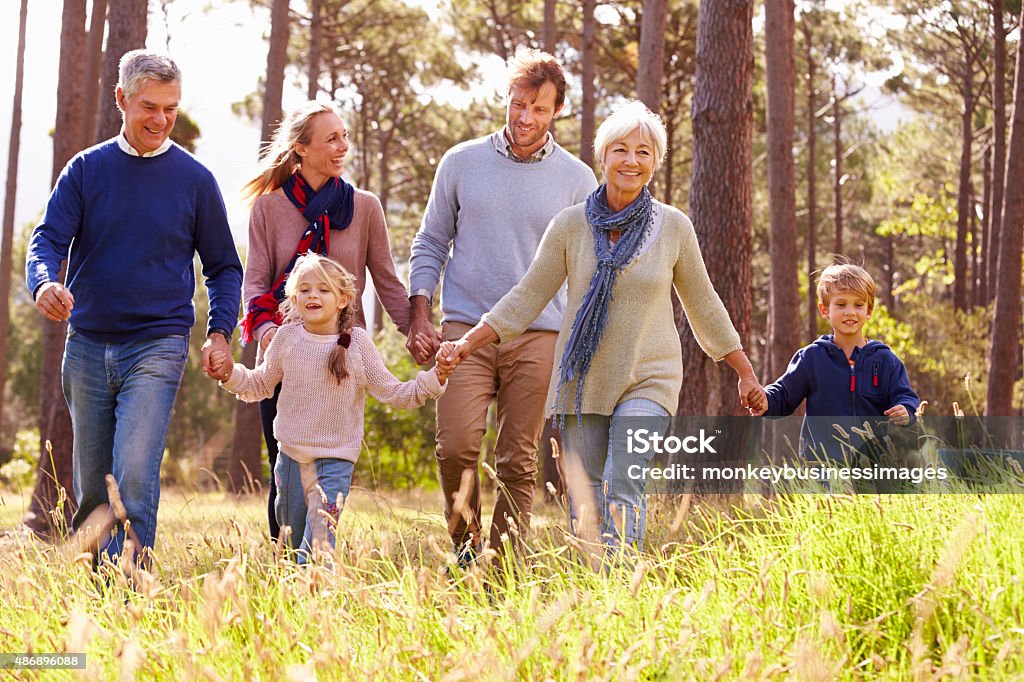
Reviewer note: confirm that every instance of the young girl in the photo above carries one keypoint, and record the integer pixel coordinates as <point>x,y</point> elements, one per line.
<point>325,366</point>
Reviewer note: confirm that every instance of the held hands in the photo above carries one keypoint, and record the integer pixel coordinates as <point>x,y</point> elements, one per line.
<point>898,415</point>
<point>450,354</point>
<point>54,301</point>
<point>221,365</point>
<point>752,396</point>
<point>424,341</point>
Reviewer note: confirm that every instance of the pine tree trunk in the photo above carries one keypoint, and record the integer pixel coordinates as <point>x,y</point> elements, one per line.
<point>587,126</point>
<point>652,54</point>
<point>244,461</point>
<point>783,294</point>
<point>986,226</point>
<point>94,60</point>
<point>7,235</point>
<point>1003,367</point>
<point>127,26</point>
<point>315,42</point>
<point>720,189</point>
<point>277,57</point>
<point>995,206</point>
<point>964,191</point>
<point>46,515</point>
<point>550,26</point>
<point>837,156</point>
<point>812,189</point>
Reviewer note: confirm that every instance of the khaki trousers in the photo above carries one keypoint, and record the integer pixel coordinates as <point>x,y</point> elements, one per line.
<point>516,374</point>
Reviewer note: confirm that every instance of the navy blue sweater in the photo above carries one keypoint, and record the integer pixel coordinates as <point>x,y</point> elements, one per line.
<point>821,374</point>
<point>130,227</point>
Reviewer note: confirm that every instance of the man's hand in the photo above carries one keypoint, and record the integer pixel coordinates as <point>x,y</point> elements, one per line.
<point>55,301</point>
<point>424,339</point>
<point>898,415</point>
<point>267,337</point>
<point>214,342</point>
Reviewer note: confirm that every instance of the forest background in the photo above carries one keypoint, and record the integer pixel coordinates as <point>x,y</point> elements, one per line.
<point>882,131</point>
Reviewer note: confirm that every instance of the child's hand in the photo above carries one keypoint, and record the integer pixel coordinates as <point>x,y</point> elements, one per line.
<point>898,415</point>
<point>443,363</point>
<point>221,365</point>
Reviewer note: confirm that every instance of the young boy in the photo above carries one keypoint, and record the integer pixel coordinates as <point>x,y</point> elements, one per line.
<point>841,374</point>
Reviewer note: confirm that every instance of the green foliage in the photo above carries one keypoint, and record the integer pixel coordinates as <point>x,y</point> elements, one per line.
<point>20,471</point>
<point>399,444</point>
<point>24,353</point>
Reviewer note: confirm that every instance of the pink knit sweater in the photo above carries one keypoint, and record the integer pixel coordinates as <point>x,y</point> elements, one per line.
<point>275,227</point>
<point>316,416</point>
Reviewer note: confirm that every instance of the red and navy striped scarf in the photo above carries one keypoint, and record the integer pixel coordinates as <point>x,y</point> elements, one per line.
<point>328,209</point>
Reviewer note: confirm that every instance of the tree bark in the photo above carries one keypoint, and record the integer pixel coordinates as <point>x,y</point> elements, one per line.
<point>982,298</point>
<point>837,156</point>
<point>244,465</point>
<point>46,515</point>
<point>7,235</point>
<point>783,292</point>
<point>652,54</point>
<point>995,205</point>
<point>963,206</point>
<point>812,196</point>
<point>720,189</point>
<point>277,57</point>
<point>127,21</point>
<point>550,26</point>
<point>587,126</point>
<point>94,59</point>
<point>1003,367</point>
<point>315,42</point>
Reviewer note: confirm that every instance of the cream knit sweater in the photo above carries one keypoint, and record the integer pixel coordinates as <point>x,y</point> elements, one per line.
<point>316,416</point>
<point>639,355</point>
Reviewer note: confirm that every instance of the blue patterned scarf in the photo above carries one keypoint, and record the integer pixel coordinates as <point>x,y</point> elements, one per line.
<point>592,317</point>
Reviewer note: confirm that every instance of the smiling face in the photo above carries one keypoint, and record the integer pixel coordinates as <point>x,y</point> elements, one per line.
<point>847,312</point>
<point>528,114</point>
<point>628,165</point>
<point>323,155</point>
<point>318,304</point>
<point>149,114</point>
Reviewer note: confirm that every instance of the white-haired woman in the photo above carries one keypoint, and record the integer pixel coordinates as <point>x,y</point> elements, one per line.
<point>620,252</point>
<point>300,204</point>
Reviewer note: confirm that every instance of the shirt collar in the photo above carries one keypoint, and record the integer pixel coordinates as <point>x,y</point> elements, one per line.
<point>122,142</point>
<point>504,147</point>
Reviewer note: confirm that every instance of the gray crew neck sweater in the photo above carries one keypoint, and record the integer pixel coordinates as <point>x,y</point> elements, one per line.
<point>484,220</point>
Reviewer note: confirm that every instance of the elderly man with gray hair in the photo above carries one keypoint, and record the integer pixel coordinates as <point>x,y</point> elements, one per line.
<point>129,215</point>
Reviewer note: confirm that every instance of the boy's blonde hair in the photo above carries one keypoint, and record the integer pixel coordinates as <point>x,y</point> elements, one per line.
<point>341,283</point>
<point>846,277</point>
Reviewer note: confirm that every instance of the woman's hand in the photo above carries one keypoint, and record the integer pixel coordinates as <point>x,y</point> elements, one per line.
<point>267,337</point>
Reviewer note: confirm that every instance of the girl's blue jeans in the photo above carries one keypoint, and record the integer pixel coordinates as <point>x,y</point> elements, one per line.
<point>596,465</point>
<point>303,492</point>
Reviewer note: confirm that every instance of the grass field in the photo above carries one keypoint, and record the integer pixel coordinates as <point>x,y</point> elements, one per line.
<point>809,587</point>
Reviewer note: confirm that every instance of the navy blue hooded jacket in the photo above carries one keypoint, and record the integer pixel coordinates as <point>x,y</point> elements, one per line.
<point>821,374</point>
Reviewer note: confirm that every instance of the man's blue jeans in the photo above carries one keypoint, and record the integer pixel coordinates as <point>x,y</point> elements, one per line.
<point>596,462</point>
<point>121,396</point>
<point>303,492</point>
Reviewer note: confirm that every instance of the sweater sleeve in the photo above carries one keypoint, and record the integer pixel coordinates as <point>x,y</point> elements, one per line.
<point>789,390</point>
<point>216,248</point>
<point>52,238</point>
<point>259,274</point>
<point>900,392</point>
<point>386,387</point>
<point>704,309</point>
<point>431,244</point>
<point>381,265</point>
<point>512,315</point>
<point>252,385</point>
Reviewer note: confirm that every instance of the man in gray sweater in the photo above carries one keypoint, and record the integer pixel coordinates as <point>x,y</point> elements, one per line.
<point>490,205</point>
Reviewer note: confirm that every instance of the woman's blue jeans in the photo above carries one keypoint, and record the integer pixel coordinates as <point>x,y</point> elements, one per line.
<point>597,460</point>
<point>303,492</point>
<point>121,396</point>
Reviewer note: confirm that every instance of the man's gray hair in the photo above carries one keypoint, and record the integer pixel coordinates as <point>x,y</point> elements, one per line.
<point>139,65</point>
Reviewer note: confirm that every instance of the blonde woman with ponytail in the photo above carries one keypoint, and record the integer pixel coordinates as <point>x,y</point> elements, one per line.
<point>301,204</point>
<point>324,366</point>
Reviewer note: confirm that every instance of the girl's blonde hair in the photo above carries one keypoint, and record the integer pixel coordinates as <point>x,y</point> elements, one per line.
<point>279,160</point>
<point>341,283</point>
